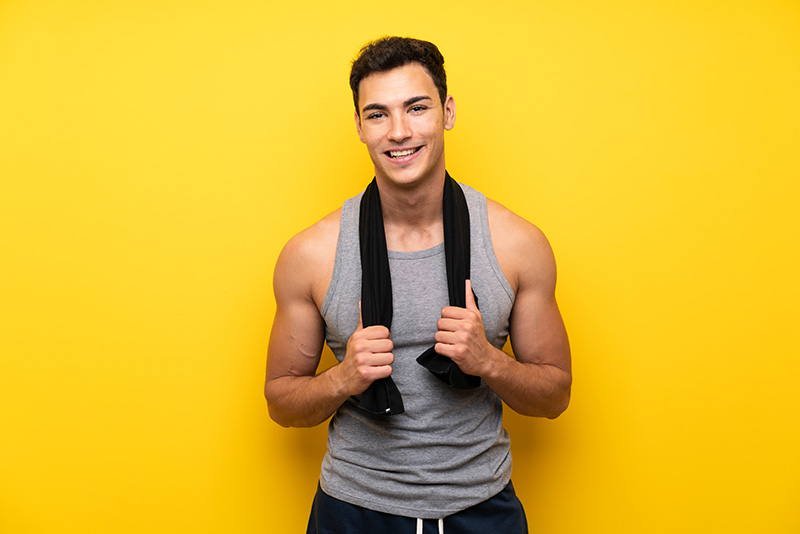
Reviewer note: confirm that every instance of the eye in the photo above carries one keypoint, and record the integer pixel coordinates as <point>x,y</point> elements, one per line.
<point>418,108</point>
<point>376,115</point>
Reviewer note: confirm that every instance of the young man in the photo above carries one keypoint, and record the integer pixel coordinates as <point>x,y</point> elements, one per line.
<point>415,442</point>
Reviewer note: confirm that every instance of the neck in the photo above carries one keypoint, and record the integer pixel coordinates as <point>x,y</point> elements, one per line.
<point>412,214</point>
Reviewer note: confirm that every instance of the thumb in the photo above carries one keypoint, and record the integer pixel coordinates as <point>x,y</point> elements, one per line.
<point>360,320</point>
<point>470,297</point>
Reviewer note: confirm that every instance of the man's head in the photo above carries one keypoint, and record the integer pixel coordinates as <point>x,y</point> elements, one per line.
<point>389,53</point>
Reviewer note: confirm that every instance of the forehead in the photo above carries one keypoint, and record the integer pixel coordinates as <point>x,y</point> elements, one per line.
<point>396,85</point>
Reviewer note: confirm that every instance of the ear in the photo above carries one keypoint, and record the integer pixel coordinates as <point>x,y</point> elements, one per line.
<point>358,126</point>
<point>449,112</point>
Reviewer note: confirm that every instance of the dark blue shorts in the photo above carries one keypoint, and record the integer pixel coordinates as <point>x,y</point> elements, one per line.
<point>502,514</point>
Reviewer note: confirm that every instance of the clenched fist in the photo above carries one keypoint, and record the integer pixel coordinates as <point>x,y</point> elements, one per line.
<point>369,357</point>
<point>461,336</point>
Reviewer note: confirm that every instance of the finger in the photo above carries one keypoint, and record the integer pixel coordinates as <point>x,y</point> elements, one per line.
<point>445,349</point>
<point>379,359</point>
<point>383,371</point>
<point>447,338</point>
<point>374,359</point>
<point>377,345</point>
<point>376,331</point>
<point>454,312</point>
<point>447,324</point>
<point>470,297</point>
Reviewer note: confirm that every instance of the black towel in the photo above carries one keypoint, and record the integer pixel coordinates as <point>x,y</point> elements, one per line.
<point>382,396</point>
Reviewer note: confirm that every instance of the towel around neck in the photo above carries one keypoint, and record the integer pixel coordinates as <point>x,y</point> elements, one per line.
<point>382,396</point>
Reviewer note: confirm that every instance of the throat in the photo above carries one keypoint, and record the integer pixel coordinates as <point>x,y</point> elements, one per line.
<point>402,238</point>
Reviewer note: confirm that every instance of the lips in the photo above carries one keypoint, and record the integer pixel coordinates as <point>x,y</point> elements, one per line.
<point>399,154</point>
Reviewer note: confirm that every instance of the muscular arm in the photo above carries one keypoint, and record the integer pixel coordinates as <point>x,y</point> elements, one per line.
<point>296,395</point>
<point>538,381</point>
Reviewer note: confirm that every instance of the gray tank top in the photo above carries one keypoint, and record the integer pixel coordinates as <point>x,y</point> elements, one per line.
<point>449,450</point>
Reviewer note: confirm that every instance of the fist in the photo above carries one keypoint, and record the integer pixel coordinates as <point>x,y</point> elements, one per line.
<point>368,358</point>
<point>461,336</point>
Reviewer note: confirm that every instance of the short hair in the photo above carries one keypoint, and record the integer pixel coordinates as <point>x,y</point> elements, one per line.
<point>389,53</point>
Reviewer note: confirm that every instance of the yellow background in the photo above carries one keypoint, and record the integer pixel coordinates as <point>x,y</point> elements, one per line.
<point>156,155</point>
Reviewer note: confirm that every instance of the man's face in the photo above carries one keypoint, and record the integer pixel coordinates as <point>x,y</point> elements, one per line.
<point>402,123</point>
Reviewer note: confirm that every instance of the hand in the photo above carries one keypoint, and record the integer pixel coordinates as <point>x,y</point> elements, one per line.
<point>462,337</point>
<point>368,357</point>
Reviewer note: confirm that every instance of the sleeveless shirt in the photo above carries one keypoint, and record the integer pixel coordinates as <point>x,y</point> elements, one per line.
<point>449,450</point>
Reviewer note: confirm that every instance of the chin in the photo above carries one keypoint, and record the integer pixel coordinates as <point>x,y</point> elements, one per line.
<point>409,176</point>
<point>404,179</point>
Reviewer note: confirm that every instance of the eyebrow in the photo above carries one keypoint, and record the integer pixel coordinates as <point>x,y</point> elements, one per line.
<point>381,107</point>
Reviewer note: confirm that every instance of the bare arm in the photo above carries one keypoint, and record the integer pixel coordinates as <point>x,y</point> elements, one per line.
<point>296,395</point>
<point>538,381</point>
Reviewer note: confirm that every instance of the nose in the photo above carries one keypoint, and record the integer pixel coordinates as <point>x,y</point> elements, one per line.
<point>399,130</point>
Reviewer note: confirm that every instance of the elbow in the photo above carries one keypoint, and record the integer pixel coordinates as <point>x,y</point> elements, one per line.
<point>275,416</point>
<point>284,417</point>
<point>561,399</point>
<point>279,417</point>
<point>558,407</point>
<point>549,407</point>
<point>289,421</point>
<point>272,410</point>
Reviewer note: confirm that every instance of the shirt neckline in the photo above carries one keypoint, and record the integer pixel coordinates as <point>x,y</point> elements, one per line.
<point>416,254</point>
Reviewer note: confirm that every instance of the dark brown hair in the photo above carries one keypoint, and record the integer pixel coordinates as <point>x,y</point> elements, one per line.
<point>389,53</point>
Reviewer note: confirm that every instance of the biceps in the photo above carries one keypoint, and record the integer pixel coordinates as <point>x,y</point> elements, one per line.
<point>295,343</point>
<point>537,331</point>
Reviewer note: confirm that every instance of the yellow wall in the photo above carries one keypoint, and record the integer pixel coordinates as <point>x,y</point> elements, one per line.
<point>155,156</point>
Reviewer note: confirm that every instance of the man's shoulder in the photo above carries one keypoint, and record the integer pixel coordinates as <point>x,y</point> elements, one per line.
<point>313,241</point>
<point>306,261</point>
<point>512,227</point>
<point>521,247</point>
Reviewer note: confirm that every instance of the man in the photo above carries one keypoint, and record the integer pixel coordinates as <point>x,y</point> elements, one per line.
<point>413,443</point>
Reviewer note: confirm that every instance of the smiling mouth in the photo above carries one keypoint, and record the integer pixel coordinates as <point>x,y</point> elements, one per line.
<point>402,153</point>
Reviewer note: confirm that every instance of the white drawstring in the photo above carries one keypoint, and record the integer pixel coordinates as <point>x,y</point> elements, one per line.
<point>419,525</point>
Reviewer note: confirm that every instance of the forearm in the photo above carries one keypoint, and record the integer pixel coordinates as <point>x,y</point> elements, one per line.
<point>538,390</point>
<point>304,401</point>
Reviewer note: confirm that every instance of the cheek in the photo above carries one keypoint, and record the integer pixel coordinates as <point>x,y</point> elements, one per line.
<point>373,145</point>
<point>372,137</point>
<point>434,127</point>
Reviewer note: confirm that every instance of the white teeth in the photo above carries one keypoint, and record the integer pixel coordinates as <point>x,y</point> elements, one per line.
<point>401,153</point>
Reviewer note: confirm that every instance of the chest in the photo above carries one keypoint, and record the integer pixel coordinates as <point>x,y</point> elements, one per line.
<point>419,292</point>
